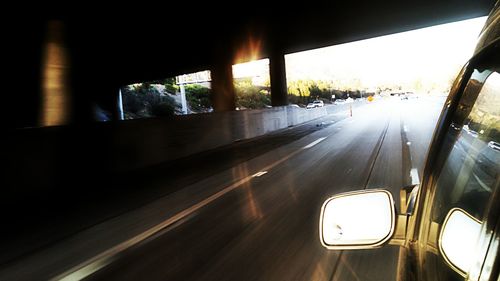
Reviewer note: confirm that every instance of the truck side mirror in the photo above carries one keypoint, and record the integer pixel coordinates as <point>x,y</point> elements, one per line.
<point>357,220</point>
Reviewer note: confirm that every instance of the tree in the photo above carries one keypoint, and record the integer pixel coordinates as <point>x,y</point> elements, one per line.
<point>198,98</point>
<point>143,100</point>
<point>170,86</point>
<point>169,83</point>
<point>315,91</point>
<point>250,96</point>
<point>299,88</point>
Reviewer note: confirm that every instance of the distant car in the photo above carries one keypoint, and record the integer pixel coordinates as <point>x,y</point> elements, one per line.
<point>340,101</point>
<point>470,131</point>
<point>494,145</point>
<point>411,95</point>
<point>316,103</point>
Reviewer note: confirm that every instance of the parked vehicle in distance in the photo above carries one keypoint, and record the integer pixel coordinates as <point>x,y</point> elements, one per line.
<point>448,226</point>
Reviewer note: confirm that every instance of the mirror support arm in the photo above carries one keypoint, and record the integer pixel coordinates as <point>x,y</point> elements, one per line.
<point>408,196</point>
<point>399,236</point>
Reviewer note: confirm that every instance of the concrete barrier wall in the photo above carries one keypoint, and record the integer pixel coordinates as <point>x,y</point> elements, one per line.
<point>40,158</point>
<point>165,140</point>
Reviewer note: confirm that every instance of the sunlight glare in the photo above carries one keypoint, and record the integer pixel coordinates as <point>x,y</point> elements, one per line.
<point>420,58</point>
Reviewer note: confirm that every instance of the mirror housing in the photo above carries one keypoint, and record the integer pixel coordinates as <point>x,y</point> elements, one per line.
<point>357,220</point>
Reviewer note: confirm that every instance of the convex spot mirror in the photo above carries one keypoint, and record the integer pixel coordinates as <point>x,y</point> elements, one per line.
<point>357,220</point>
<point>458,239</point>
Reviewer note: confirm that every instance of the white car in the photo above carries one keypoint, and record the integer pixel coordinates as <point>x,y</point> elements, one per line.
<point>316,103</point>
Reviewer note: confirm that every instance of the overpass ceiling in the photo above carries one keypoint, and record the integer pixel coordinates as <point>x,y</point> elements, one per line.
<point>150,42</point>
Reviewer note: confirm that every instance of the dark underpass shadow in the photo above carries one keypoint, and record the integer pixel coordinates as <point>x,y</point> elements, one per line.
<point>83,200</point>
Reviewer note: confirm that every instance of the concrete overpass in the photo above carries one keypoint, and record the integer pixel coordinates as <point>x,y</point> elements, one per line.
<point>79,162</point>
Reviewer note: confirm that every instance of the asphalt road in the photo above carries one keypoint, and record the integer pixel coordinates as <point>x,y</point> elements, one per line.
<point>267,227</point>
<point>258,220</point>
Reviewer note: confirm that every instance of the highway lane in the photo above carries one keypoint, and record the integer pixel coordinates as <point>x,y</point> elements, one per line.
<point>43,222</point>
<point>267,227</point>
<point>411,129</point>
<point>257,219</point>
<point>420,118</point>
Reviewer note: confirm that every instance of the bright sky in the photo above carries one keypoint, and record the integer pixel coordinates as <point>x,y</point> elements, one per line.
<point>433,55</point>
<point>252,68</point>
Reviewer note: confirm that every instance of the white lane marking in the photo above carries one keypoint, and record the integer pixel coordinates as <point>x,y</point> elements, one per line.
<point>94,264</point>
<point>87,270</point>
<point>414,176</point>
<point>256,175</point>
<point>314,143</point>
<point>105,258</point>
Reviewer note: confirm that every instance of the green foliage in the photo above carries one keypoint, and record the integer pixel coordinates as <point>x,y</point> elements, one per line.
<point>170,86</point>
<point>250,96</point>
<point>198,98</point>
<point>167,107</point>
<point>169,83</point>
<point>305,91</point>
<point>143,100</point>
<point>339,94</point>
<point>300,87</point>
<point>315,91</point>
<point>293,99</point>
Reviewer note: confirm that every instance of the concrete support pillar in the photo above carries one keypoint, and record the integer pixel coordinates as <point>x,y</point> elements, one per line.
<point>223,94</point>
<point>56,93</point>
<point>279,95</point>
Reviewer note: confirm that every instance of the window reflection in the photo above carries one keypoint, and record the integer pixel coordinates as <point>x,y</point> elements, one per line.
<point>469,175</point>
<point>472,168</point>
